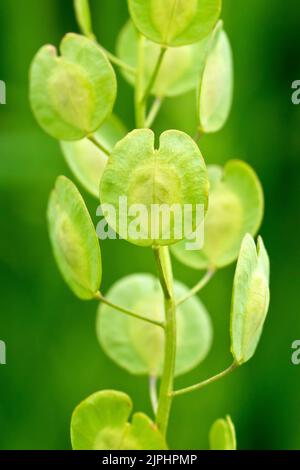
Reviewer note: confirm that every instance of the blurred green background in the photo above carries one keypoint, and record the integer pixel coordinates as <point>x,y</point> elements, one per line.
<point>53,358</point>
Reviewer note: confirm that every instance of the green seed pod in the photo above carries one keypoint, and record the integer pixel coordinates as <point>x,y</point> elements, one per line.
<point>172,177</point>
<point>250,299</point>
<point>216,84</point>
<point>186,62</point>
<point>236,206</point>
<point>137,346</point>
<point>100,422</point>
<point>73,94</point>
<point>74,240</point>
<point>222,435</point>
<point>175,22</point>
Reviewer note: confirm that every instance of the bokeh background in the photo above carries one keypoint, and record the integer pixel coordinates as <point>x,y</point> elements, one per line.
<point>53,358</point>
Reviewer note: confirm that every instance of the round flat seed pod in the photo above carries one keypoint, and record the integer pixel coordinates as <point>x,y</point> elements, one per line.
<point>72,94</point>
<point>138,346</point>
<point>157,195</point>
<point>175,22</point>
<point>74,240</point>
<point>101,422</point>
<point>186,63</point>
<point>236,206</point>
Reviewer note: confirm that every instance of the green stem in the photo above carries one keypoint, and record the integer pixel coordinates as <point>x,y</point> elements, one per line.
<point>198,135</point>
<point>100,297</point>
<point>101,147</point>
<point>84,17</point>
<point>199,286</point>
<point>203,384</point>
<point>115,60</point>
<point>154,111</point>
<point>166,389</point>
<point>140,106</point>
<point>89,33</point>
<point>155,72</point>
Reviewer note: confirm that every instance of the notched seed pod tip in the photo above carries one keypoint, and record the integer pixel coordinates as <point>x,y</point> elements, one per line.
<point>72,94</point>
<point>100,422</point>
<point>171,180</point>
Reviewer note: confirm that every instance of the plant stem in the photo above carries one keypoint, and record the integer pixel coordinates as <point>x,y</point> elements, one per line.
<point>100,297</point>
<point>162,256</point>
<point>198,135</point>
<point>155,72</point>
<point>101,147</point>
<point>153,111</point>
<point>89,33</point>
<point>115,60</point>
<point>203,384</point>
<point>164,267</point>
<point>153,393</point>
<point>140,106</point>
<point>202,283</point>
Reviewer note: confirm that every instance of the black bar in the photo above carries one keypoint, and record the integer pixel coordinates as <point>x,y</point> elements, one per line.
<point>151,459</point>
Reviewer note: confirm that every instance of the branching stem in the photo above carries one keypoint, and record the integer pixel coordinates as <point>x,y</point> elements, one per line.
<point>198,287</point>
<point>101,147</point>
<point>103,299</point>
<point>115,60</point>
<point>203,384</point>
<point>91,35</point>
